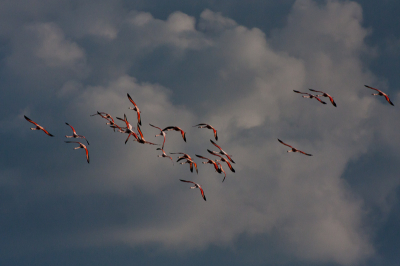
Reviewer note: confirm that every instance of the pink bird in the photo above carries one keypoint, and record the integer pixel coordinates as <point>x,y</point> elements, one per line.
<point>222,159</point>
<point>104,115</point>
<point>324,94</point>
<point>176,129</point>
<point>164,155</point>
<point>38,127</point>
<point>210,162</point>
<point>202,125</point>
<point>380,93</point>
<point>222,151</point>
<point>161,134</point>
<point>128,129</point>
<point>141,139</point>
<point>195,186</point>
<point>309,95</point>
<point>74,135</point>
<point>221,170</point>
<point>80,146</point>
<point>293,149</point>
<point>185,155</point>
<point>135,108</point>
<point>191,164</point>
<point>110,120</point>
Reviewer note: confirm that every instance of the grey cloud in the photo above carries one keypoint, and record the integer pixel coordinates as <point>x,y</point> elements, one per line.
<point>233,77</point>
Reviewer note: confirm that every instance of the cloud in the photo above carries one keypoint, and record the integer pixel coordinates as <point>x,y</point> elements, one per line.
<point>242,83</point>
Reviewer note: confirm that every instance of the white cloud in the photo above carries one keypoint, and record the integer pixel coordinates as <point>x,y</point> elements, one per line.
<point>300,202</point>
<point>53,48</point>
<point>303,198</point>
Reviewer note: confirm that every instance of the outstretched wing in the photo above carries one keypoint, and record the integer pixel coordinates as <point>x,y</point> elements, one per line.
<point>387,99</point>
<point>215,144</point>
<point>29,120</point>
<point>73,129</point>
<point>304,153</point>
<point>372,88</point>
<point>284,143</point>
<point>203,157</point>
<point>316,91</point>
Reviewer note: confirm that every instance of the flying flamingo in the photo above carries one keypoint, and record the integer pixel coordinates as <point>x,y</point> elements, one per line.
<point>221,170</point>
<point>164,155</point>
<point>222,159</point>
<point>161,134</point>
<point>324,94</point>
<point>176,129</point>
<point>80,146</point>
<point>191,164</point>
<point>74,135</point>
<point>309,95</point>
<point>110,120</point>
<point>141,139</point>
<point>128,129</point>
<point>380,93</point>
<point>210,162</point>
<point>293,149</point>
<point>104,115</point>
<point>38,127</point>
<point>135,108</point>
<point>202,125</point>
<point>195,186</point>
<point>222,151</point>
<point>185,156</point>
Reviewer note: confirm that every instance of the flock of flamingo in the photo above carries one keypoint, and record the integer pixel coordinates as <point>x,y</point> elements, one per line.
<point>128,129</point>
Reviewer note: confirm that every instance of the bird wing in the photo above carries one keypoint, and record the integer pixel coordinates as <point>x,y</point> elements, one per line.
<point>332,101</point>
<point>170,128</point>
<point>202,192</point>
<point>304,153</point>
<point>183,135</point>
<point>140,132</point>
<point>130,99</point>
<point>215,134</point>
<point>372,88</point>
<point>215,144</point>
<point>87,154</point>
<point>155,127</point>
<point>68,141</point>
<point>300,92</point>
<point>316,91</point>
<point>214,153</point>
<point>29,120</point>
<point>73,129</point>
<point>187,181</point>
<point>284,143</point>
<point>387,99</point>
<point>203,157</point>
<point>321,101</point>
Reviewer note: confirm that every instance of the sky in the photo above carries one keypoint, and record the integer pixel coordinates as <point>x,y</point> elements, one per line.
<point>231,64</point>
